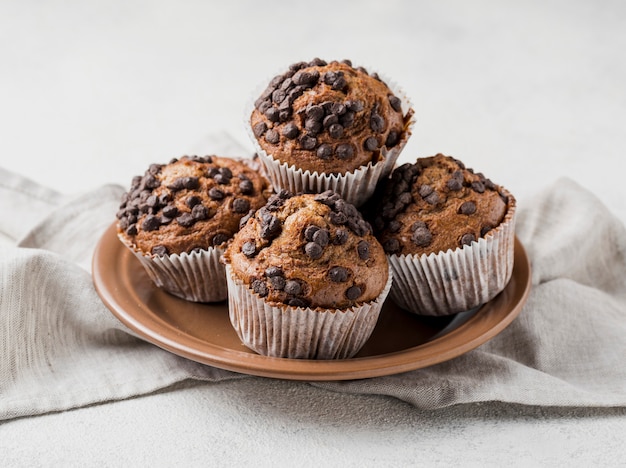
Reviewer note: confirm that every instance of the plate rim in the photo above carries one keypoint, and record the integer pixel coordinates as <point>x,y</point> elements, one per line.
<point>476,330</point>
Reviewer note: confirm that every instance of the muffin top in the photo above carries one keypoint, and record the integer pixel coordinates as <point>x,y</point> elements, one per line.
<point>309,251</point>
<point>327,117</point>
<point>434,205</point>
<point>190,203</point>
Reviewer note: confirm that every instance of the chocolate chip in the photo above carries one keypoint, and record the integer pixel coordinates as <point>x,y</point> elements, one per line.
<point>340,83</point>
<point>355,106</point>
<point>278,282</point>
<point>308,78</point>
<point>159,250</point>
<point>338,218</point>
<point>272,115</point>
<point>186,220</point>
<point>396,103</point>
<point>391,246</point>
<point>377,123</point>
<point>313,126</point>
<point>259,287</point>
<point>454,184</point>
<point>272,271</point>
<point>337,108</point>
<point>192,201</point>
<point>271,229</point>
<point>290,131</point>
<point>425,190</point>
<point>353,292</point>
<point>132,230</point>
<point>241,205</point>
<point>293,287</point>
<point>215,193</point>
<point>191,183</point>
<point>200,212</point>
<point>315,112</point>
<point>310,231</point>
<point>152,201</point>
<point>324,151</point>
<point>363,249</point>
<point>338,274</point>
<point>392,139</point>
<point>467,208</point>
<point>484,230</point>
<point>335,131</point>
<point>248,249</point>
<point>246,187</point>
<point>308,142</point>
<point>313,250</point>
<point>478,186</point>
<point>371,144</point>
<point>297,302</point>
<point>219,238</point>
<point>264,105</point>
<point>422,236</point>
<point>330,120</point>
<point>151,182</point>
<point>321,237</point>
<point>344,151</point>
<point>467,239</point>
<point>259,129</point>
<point>151,223</point>
<point>177,184</point>
<point>278,96</point>
<point>246,218</point>
<point>394,226</point>
<point>212,172</point>
<point>272,136</point>
<point>432,199</point>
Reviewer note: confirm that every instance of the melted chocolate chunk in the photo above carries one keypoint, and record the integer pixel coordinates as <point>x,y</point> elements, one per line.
<point>363,250</point>
<point>467,208</point>
<point>467,239</point>
<point>259,287</point>
<point>293,287</point>
<point>313,250</point>
<point>338,274</point>
<point>186,220</point>
<point>241,205</point>
<point>353,292</point>
<point>249,249</point>
<point>151,223</point>
<point>159,250</point>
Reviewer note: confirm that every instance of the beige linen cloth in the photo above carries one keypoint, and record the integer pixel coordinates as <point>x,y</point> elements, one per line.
<point>61,348</point>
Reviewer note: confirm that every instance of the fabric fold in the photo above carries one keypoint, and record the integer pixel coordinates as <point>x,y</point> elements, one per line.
<point>60,347</point>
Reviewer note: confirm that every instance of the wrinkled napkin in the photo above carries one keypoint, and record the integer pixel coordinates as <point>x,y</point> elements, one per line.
<point>61,348</point>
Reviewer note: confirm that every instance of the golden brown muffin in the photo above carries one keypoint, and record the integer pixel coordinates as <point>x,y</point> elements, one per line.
<point>328,117</point>
<point>191,203</point>
<point>309,251</point>
<point>434,205</point>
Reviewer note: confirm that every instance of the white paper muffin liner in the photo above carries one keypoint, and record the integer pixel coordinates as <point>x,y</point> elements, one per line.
<point>449,282</point>
<point>198,276</point>
<point>355,187</point>
<point>280,330</point>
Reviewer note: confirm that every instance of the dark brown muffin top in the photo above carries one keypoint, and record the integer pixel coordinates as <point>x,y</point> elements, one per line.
<point>328,117</point>
<point>309,250</point>
<point>434,205</point>
<point>190,203</point>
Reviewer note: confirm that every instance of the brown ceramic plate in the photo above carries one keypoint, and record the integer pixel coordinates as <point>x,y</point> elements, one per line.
<point>202,332</point>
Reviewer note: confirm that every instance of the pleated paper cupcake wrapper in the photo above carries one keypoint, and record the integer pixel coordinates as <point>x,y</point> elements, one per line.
<point>456,280</point>
<point>355,187</point>
<point>196,276</point>
<point>299,332</point>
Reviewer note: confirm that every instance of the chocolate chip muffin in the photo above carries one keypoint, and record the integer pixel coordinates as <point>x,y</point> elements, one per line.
<point>182,214</point>
<point>329,119</point>
<point>436,204</point>
<point>311,262</point>
<point>448,232</point>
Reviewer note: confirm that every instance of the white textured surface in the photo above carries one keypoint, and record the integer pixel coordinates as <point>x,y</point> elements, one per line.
<point>526,92</point>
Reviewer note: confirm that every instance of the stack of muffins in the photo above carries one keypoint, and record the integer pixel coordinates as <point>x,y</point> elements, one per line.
<point>308,244</point>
